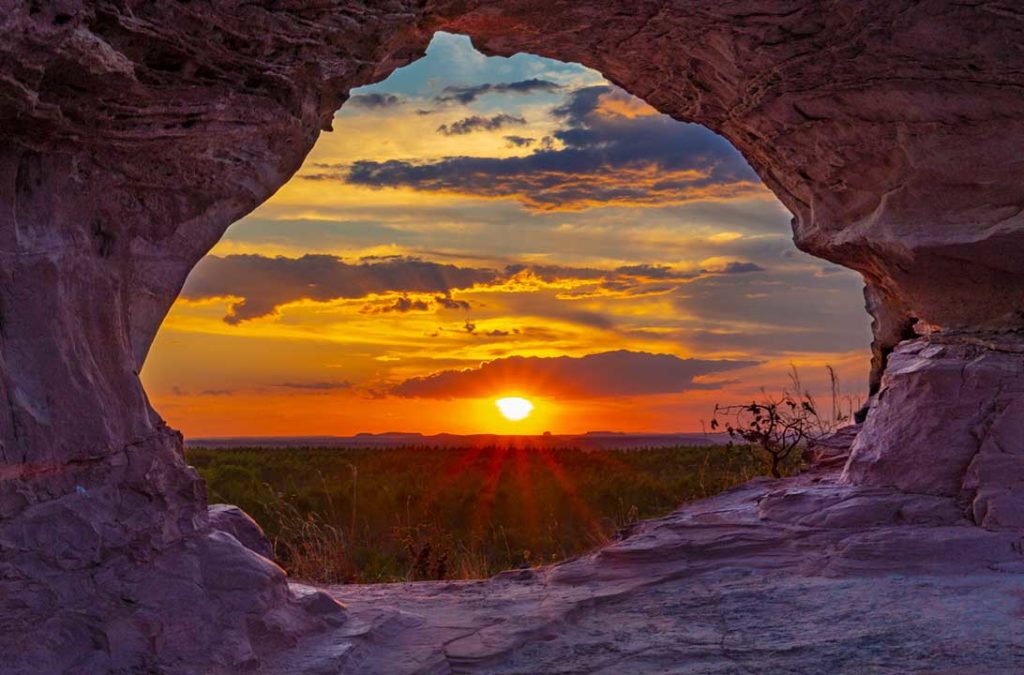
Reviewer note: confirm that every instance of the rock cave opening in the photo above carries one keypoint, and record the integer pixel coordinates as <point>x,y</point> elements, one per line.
<point>134,134</point>
<point>477,226</point>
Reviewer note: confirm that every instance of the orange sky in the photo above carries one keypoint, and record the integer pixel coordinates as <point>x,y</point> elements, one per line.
<point>470,211</point>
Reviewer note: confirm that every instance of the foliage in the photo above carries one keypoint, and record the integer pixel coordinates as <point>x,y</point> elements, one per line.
<point>374,515</point>
<point>775,426</point>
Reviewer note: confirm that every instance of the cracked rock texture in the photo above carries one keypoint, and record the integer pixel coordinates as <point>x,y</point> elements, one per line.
<point>949,420</point>
<point>133,132</point>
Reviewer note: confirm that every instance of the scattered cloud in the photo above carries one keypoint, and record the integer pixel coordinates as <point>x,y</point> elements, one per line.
<point>447,302</point>
<point>466,95</point>
<point>574,283</point>
<point>265,283</point>
<point>260,285</point>
<point>617,373</point>
<point>721,280</point>
<point>519,141</point>
<point>405,304</point>
<point>737,267</point>
<point>374,101</point>
<point>401,305</point>
<point>611,151</point>
<point>469,125</point>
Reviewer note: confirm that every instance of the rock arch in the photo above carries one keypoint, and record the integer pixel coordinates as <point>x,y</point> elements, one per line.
<point>133,133</point>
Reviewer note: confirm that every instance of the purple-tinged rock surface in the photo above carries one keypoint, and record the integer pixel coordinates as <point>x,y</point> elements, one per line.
<point>133,133</point>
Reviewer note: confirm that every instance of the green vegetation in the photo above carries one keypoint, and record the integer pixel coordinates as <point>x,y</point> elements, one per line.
<point>375,515</point>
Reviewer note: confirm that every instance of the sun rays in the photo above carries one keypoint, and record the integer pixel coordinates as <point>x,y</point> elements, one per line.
<point>514,408</point>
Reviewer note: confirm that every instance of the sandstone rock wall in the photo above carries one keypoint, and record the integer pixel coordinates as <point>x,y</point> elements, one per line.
<point>891,129</point>
<point>133,132</point>
<point>949,421</point>
<point>131,135</point>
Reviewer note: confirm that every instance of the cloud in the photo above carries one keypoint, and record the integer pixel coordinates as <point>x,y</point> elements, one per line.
<point>519,141</point>
<point>786,310</point>
<point>405,304</point>
<point>373,101</point>
<point>401,305</point>
<point>736,267</point>
<point>466,95</point>
<point>476,123</point>
<point>618,373</point>
<point>317,386</point>
<point>648,271</point>
<point>262,284</point>
<point>447,302</point>
<point>265,283</point>
<point>612,150</point>
<point>626,281</point>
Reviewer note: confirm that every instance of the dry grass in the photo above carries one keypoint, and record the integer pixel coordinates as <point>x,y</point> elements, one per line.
<point>357,515</point>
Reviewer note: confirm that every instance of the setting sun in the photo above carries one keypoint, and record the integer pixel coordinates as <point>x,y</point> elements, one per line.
<point>514,408</point>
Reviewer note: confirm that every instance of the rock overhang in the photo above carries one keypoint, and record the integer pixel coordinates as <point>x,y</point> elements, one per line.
<point>134,133</point>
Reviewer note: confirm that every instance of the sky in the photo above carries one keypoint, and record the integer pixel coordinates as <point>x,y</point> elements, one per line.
<point>477,227</point>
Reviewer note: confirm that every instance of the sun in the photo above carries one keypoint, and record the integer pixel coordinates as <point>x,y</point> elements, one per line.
<point>514,408</point>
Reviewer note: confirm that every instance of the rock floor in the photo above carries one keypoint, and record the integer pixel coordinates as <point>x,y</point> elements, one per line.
<point>803,575</point>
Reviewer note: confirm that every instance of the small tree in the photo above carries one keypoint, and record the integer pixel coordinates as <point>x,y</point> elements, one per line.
<point>775,426</point>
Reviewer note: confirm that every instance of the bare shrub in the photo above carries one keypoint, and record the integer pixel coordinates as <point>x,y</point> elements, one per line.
<point>777,425</point>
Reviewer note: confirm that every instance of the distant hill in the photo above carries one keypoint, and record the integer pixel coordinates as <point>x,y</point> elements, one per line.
<point>592,440</point>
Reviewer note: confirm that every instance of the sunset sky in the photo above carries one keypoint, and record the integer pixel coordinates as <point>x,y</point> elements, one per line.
<point>480,227</point>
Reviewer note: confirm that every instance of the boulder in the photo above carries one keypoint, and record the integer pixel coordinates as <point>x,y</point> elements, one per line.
<point>949,420</point>
<point>240,525</point>
<point>832,449</point>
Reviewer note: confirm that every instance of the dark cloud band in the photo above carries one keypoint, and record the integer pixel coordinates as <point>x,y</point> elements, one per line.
<point>619,373</point>
<point>265,283</point>
<point>466,95</point>
<point>373,101</point>
<point>609,152</point>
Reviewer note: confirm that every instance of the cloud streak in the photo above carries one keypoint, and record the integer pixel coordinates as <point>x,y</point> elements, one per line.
<point>514,141</point>
<point>374,101</point>
<point>467,95</point>
<point>264,284</point>
<point>618,373</point>
<point>475,123</point>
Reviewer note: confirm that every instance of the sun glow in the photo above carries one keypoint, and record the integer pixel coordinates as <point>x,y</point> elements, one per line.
<point>514,408</point>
